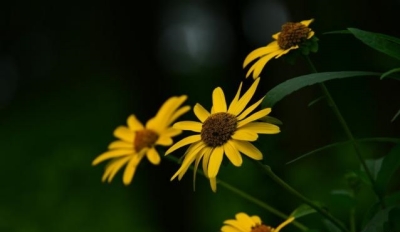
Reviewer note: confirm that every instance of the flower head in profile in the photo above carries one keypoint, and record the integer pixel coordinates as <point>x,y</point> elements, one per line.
<point>136,140</point>
<point>246,223</point>
<point>225,130</point>
<point>292,36</point>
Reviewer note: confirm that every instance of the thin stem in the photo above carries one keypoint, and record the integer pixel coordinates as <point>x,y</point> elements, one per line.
<point>347,131</point>
<point>246,196</point>
<point>287,187</point>
<point>352,219</point>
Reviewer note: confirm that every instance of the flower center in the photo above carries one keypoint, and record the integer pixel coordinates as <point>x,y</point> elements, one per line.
<point>218,128</point>
<point>292,34</point>
<point>144,138</point>
<point>261,228</point>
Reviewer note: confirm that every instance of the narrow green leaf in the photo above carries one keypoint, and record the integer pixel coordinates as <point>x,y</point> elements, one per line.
<point>397,115</point>
<point>383,43</point>
<point>343,197</point>
<point>302,210</point>
<point>390,163</point>
<point>315,101</point>
<point>390,72</point>
<point>374,165</point>
<point>330,226</point>
<point>376,224</point>
<point>285,88</point>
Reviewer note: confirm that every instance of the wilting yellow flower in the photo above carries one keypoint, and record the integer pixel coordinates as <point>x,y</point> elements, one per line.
<point>290,37</point>
<point>137,141</point>
<point>226,130</point>
<point>246,223</point>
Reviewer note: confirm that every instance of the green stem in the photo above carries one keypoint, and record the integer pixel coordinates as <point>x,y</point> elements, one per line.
<point>282,183</point>
<point>246,196</point>
<point>352,219</point>
<point>347,131</point>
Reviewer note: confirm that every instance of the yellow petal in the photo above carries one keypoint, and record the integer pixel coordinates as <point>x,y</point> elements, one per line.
<point>160,121</point>
<point>213,184</point>
<point>249,109</point>
<point>171,132</point>
<point>259,65</point>
<point>233,154</point>
<point>153,156</point>
<point>284,52</point>
<point>256,219</point>
<point>261,128</point>
<point>196,149</point>
<point>307,22</point>
<point>310,34</point>
<point>218,98</point>
<point>131,168</point>
<point>240,225</point>
<point>259,52</point>
<point>189,125</point>
<point>276,35</point>
<point>206,159</point>
<point>246,135</point>
<point>112,154</point>
<point>248,149</point>
<point>134,124</point>
<point>289,220</point>
<point>178,113</point>
<point>245,219</point>
<point>215,161</point>
<point>196,165</point>
<point>183,142</point>
<point>235,99</point>
<point>120,144</point>
<point>113,167</point>
<point>164,140</point>
<point>230,229</point>
<point>255,116</point>
<point>188,160</point>
<point>244,100</point>
<point>124,133</point>
<point>201,113</point>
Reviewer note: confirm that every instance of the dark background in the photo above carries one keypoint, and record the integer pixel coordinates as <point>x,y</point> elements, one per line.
<point>72,71</point>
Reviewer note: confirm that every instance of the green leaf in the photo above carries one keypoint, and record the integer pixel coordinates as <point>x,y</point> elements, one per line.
<point>397,115</point>
<point>315,101</point>
<point>390,72</point>
<point>376,224</point>
<point>343,197</point>
<point>374,165</point>
<point>383,43</point>
<point>302,210</point>
<point>330,226</point>
<point>285,88</point>
<point>390,163</point>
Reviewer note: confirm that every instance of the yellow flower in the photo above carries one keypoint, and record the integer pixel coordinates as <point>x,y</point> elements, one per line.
<point>137,141</point>
<point>226,130</point>
<point>289,38</point>
<point>246,223</point>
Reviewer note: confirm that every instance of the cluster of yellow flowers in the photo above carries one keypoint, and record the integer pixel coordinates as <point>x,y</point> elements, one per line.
<point>224,130</point>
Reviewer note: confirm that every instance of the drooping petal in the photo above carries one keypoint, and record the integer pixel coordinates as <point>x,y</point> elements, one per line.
<point>189,125</point>
<point>261,128</point>
<point>177,114</point>
<point>284,52</point>
<point>113,167</point>
<point>246,135</point>
<point>153,156</point>
<point>249,109</point>
<point>244,100</point>
<point>164,140</point>
<point>131,168</point>
<point>245,219</point>
<point>213,184</point>
<point>112,154</point>
<point>259,65</point>
<point>248,149</point>
<point>206,159</point>
<point>255,116</point>
<point>218,98</point>
<point>235,99</point>
<point>259,52</point>
<point>215,161</point>
<point>120,144</point>
<point>201,113</point>
<point>283,224</point>
<point>194,149</point>
<point>233,154</point>
<point>307,22</point>
<point>196,165</point>
<point>183,142</point>
<point>123,133</point>
<point>188,160</point>
<point>133,123</point>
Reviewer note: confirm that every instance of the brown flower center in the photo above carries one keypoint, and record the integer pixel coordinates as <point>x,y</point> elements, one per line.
<point>144,138</point>
<point>292,34</point>
<point>261,228</point>
<point>218,128</point>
